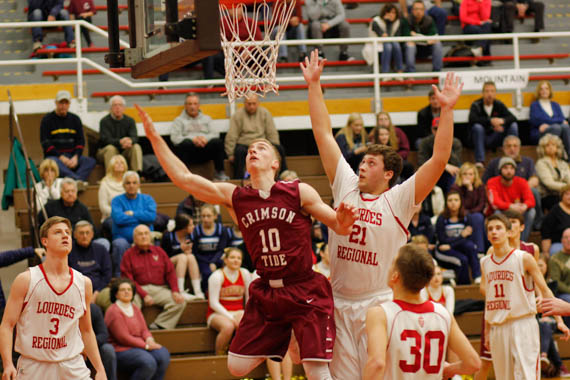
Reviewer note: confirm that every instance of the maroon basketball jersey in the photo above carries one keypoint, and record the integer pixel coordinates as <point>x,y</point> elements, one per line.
<point>276,232</point>
<point>527,247</point>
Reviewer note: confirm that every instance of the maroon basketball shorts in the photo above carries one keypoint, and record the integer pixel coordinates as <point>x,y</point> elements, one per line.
<point>306,307</point>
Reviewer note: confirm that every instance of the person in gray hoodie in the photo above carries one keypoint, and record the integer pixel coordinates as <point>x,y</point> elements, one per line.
<point>194,139</point>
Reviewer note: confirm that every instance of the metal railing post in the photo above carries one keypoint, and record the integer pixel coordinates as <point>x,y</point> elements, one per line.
<point>78,55</point>
<point>517,63</point>
<point>375,70</point>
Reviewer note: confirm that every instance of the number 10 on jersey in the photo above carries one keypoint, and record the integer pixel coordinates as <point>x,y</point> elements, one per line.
<point>270,243</point>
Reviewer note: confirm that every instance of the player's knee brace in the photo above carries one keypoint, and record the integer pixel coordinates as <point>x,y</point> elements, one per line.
<point>239,366</point>
<point>317,370</point>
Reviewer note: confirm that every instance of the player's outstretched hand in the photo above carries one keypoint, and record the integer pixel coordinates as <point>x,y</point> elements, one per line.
<point>564,330</point>
<point>313,67</point>
<point>450,92</point>
<point>149,128</point>
<point>555,306</point>
<point>346,215</point>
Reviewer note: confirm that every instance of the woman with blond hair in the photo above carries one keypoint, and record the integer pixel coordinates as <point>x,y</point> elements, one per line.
<point>111,186</point>
<point>387,133</point>
<point>352,140</point>
<point>472,191</point>
<point>49,187</point>
<point>552,169</point>
<point>546,116</point>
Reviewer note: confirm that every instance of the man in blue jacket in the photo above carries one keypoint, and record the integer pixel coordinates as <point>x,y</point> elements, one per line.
<point>128,210</point>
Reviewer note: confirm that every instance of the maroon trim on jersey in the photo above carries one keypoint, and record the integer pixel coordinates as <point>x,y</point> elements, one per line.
<point>50,285</point>
<point>397,219</point>
<point>418,308</point>
<point>525,287</point>
<point>505,259</point>
<point>368,200</point>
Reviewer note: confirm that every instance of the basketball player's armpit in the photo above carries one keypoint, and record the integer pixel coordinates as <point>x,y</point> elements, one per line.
<point>339,221</point>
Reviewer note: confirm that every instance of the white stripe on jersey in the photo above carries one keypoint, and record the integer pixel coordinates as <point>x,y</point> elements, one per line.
<point>417,340</point>
<point>48,327</point>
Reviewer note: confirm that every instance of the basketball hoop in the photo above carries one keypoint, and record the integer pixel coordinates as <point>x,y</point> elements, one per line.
<point>250,64</point>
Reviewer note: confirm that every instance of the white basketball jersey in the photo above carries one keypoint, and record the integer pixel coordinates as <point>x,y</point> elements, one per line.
<point>48,328</point>
<point>360,260</point>
<point>417,340</point>
<point>509,290</point>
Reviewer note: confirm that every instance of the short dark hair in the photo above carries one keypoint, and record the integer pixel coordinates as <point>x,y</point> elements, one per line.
<point>415,266</point>
<point>489,83</point>
<point>512,214</point>
<point>446,213</point>
<point>431,93</point>
<point>391,158</point>
<point>52,221</point>
<point>389,8</point>
<point>419,2</point>
<point>116,284</point>
<point>501,218</point>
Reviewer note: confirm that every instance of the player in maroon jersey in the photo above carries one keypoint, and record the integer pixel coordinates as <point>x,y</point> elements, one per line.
<point>274,218</point>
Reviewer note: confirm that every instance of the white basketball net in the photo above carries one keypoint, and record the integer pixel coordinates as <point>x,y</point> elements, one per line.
<point>250,65</point>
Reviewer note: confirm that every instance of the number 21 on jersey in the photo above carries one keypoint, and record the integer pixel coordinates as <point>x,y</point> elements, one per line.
<point>433,346</point>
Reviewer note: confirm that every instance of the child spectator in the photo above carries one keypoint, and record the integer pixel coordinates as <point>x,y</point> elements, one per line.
<point>388,25</point>
<point>437,292</point>
<point>352,140</point>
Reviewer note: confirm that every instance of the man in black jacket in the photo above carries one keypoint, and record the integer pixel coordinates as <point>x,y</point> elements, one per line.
<point>62,139</point>
<point>426,116</point>
<point>490,122</point>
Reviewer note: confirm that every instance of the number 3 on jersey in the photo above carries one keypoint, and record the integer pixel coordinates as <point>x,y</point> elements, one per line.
<point>416,351</point>
<point>358,235</point>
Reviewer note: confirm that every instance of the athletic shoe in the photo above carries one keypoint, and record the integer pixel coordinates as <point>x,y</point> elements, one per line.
<point>345,57</point>
<point>302,56</point>
<point>564,372</point>
<point>477,280</point>
<point>221,176</point>
<point>544,362</point>
<point>37,45</point>
<point>189,297</point>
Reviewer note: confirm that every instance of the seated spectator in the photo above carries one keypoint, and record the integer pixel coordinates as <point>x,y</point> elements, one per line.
<point>560,268</point>
<point>90,258</point>
<point>118,135</point>
<point>508,191</point>
<point>474,200</point>
<point>83,10</point>
<point>128,210</point>
<point>525,169</point>
<point>550,361</point>
<point>555,222</point>
<point>189,206</point>
<point>323,265</point>
<point>491,121</point>
<point>11,257</point>
<point>235,236</point>
<point>62,139</point>
<point>327,20</point>
<point>247,124</point>
<point>387,24</point>
<point>475,17</point>
<point>433,9</point>
<point>137,352</point>
<point>352,140</point>
<point>49,10</point>
<point>178,246</point>
<point>106,350</point>
<point>434,203</point>
<point>435,291</point>
<point>295,31</point>
<point>421,225</point>
<point>419,24</point>
<point>526,7</point>
<point>426,115</point>
<point>387,133</point>
<point>48,188</point>
<point>194,139</point>
<point>209,240</point>
<point>288,175</point>
<point>67,206</point>
<point>546,116</point>
<point>227,294</point>
<point>456,249</point>
<point>552,169</point>
<point>452,168</point>
<point>111,185</point>
<point>154,277</point>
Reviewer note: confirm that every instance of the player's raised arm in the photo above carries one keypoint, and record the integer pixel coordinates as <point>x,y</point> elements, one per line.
<point>320,120</point>
<point>469,361</point>
<point>377,342</point>
<point>428,174</point>
<point>340,221</point>
<point>198,186</point>
<point>88,336</point>
<point>12,313</point>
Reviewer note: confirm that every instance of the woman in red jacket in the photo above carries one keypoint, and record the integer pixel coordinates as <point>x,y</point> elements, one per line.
<point>475,17</point>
